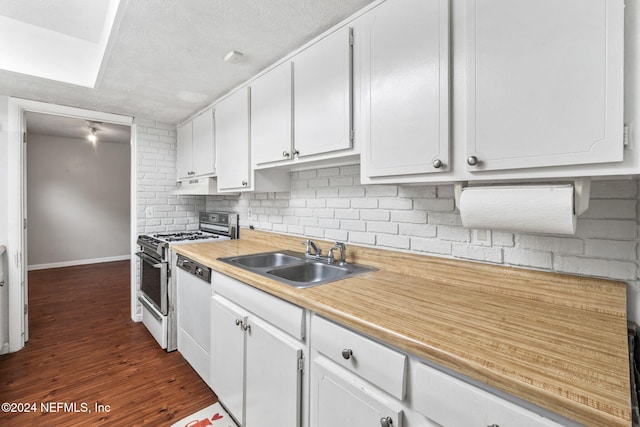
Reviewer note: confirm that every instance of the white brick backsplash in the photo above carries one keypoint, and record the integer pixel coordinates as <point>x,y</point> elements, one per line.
<point>418,218</point>
<point>419,230</point>
<point>563,245</point>
<point>418,192</point>
<point>611,209</point>
<point>337,235</point>
<point>618,189</point>
<point>612,269</point>
<point>398,242</point>
<point>431,245</point>
<point>375,215</point>
<point>503,238</point>
<point>528,258</point>
<point>456,234</point>
<point>382,227</point>
<point>381,191</point>
<point>607,229</point>
<point>442,205</point>
<point>610,249</point>
<point>414,217</point>
<point>479,253</point>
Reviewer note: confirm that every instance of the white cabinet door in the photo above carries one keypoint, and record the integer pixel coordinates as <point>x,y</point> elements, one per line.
<point>227,354</point>
<point>405,88</point>
<point>184,161</point>
<point>203,144</point>
<point>271,115</point>
<point>273,377</point>
<point>232,141</point>
<point>544,82</point>
<point>322,95</point>
<point>339,400</point>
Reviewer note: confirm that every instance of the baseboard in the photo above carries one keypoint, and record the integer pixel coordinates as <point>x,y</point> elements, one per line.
<point>4,349</point>
<point>77,262</point>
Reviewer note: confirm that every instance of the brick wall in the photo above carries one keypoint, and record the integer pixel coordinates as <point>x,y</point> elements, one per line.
<point>331,203</point>
<point>157,209</point>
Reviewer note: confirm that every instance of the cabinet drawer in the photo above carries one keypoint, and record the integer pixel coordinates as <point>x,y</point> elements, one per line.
<point>278,312</point>
<point>455,403</point>
<point>376,363</point>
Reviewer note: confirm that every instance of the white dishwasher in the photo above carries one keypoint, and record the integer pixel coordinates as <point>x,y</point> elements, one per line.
<point>194,323</point>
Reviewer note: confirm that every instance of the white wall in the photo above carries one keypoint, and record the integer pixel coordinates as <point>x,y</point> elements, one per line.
<point>4,312</point>
<point>331,204</point>
<point>78,201</point>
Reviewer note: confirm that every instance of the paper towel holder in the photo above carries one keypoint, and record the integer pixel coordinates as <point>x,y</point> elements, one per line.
<point>581,194</point>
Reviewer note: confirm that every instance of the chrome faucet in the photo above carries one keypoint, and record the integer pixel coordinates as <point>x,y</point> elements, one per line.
<point>314,252</point>
<point>340,247</point>
<point>317,252</point>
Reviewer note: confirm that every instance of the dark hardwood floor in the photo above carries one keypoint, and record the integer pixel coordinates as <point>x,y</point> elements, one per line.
<point>85,350</point>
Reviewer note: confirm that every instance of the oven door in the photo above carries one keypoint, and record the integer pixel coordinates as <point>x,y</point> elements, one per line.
<point>153,281</point>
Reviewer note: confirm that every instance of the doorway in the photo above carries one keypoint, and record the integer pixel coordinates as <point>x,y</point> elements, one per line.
<point>18,200</point>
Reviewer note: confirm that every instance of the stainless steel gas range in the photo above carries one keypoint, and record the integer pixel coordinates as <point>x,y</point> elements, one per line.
<point>157,293</point>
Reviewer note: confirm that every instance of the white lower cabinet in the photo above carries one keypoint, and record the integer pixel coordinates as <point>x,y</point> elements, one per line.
<point>341,399</point>
<point>355,381</point>
<point>256,368</point>
<point>455,403</point>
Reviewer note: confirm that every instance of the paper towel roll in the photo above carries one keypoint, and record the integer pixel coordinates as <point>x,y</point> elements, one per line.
<point>530,208</point>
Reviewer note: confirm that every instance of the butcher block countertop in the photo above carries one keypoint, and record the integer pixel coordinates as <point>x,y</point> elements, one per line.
<point>555,340</point>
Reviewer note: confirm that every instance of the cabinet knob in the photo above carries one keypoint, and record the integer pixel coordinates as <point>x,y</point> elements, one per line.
<point>437,163</point>
<point>295,152</point>
<point>246,327</point>
<point>244,183</point>
<point>238,322</point>
<point>347,353</point>
<point>493,425</point>
<point>285,154</point>
<point>386,422</point>
<point>472,161</point>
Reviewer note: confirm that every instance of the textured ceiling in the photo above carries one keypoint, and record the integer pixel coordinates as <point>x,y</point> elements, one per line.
<point>167,59</point>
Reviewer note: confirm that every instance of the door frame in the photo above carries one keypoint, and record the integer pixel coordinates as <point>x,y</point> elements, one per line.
<point>17,265</point>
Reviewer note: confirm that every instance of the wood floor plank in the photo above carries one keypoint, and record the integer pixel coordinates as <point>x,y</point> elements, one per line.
<point>85,349</point>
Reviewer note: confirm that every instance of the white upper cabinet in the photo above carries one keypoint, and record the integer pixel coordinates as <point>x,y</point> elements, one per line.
<point>232,141</point>
<point>544,83</point>
<point>323,95</point>
<point>404,80</point>
<point>272,115</point>
<point>184,162</point>
<point>196,152</point>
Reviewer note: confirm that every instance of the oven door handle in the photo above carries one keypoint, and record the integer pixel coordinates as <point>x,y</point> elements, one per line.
<point>154,262</point>
<point>154,312</point>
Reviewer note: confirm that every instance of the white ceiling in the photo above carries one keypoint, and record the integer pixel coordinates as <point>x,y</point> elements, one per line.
<point>166,60</point>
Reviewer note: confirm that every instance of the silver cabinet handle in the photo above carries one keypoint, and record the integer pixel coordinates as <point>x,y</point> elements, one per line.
<point>472,161</point>
<point>437,163</point>
<point>285,154</point>
<point>239,322</point>
<point>244,183</point>
<point>493,425</point>
<point>386,422</point>
<point>347,353</point>
<point>246,327</point>
<point>295,152</point>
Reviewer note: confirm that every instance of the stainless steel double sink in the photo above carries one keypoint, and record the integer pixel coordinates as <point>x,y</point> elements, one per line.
<point>294,269</point>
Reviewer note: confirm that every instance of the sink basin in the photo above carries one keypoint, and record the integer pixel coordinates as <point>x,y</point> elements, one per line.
<point>270,259</point>
<point>310,273</point>
<point>294,269</point>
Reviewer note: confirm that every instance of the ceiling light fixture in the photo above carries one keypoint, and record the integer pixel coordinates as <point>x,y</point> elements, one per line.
<point>92,135</point>
<point>233,57</point>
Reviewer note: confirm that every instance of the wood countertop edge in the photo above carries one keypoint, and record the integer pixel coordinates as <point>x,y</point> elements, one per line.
<point>585,412</point>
